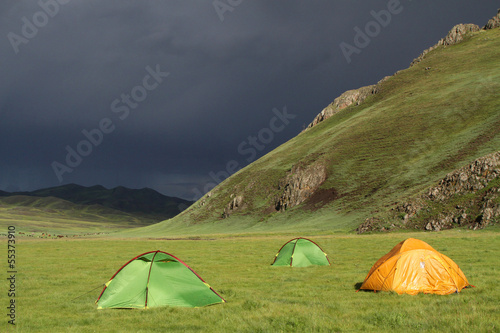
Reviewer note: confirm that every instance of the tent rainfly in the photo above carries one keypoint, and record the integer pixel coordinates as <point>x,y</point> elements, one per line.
<point>301,252</point>
<point>155,279</point>
<point>413,266</point>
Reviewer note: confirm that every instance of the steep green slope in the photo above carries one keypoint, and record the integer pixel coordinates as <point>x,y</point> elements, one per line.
<point>424,122</point>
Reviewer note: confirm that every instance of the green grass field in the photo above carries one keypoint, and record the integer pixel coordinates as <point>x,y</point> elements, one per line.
<point>55,276</point>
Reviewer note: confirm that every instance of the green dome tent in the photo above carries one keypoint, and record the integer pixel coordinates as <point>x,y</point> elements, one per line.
<point>301,252</point>
<point>155,279</point>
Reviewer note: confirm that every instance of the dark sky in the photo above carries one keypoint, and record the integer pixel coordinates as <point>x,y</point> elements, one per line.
<point>176,94</point>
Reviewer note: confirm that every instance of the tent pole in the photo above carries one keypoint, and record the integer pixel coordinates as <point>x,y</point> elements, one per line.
<point>149,274</point>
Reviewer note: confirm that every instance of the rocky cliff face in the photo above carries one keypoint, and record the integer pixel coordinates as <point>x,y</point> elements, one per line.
<point>469,179</point>
<point>476,179</point>
<point>350,97</point>
<point>457,34</point>
<point>300,184</point>
<point>469,196</point>
<point>494,22</point>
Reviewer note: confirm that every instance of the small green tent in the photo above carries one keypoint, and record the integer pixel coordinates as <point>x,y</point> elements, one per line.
<point>300,252</point>
<point>155,279</point>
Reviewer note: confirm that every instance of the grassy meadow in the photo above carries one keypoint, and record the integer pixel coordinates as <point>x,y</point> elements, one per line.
<point>58,281</point>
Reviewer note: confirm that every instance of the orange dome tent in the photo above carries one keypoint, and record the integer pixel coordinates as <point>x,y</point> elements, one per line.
<point>413,266</point>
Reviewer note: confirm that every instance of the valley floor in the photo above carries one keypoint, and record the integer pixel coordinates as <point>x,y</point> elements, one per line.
<point>58,280</point>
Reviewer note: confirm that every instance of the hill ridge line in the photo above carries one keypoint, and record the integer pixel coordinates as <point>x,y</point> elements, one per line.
<point>357,96</point>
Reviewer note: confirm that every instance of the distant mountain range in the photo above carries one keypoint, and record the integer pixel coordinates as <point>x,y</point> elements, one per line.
<point>146,203</point>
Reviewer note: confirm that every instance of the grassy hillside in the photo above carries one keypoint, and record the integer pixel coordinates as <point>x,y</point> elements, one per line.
<point>56,216</point>
<point>426,121</point>
<point>74,208</point>
<point>144,201</point>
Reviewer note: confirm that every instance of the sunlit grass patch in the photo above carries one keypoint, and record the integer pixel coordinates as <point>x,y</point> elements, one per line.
<point>58,282</point>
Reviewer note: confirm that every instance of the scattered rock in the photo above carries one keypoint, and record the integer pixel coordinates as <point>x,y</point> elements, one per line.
<point>422,55</point>
<point>370,224</point>
<point>203,201</point>
<point>440,223</point>
<point>235,204</point>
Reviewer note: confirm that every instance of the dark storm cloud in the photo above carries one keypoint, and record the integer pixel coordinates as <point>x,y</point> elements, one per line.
<point>225,78</point>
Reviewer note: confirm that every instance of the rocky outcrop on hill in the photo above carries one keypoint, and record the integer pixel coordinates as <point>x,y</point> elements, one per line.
<point>299,185</point>
<point>469,196</point>
<point>473,179</point>
<point>455,36</point>
<point>348,98</point>
<point>494,22</point>
<point>468,179</point>
<point>458,33</point>
<point>357,96</point>
<point>235,204</point>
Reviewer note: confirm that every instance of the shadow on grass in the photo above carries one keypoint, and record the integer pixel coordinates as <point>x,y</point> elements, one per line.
<point>358,285</point>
